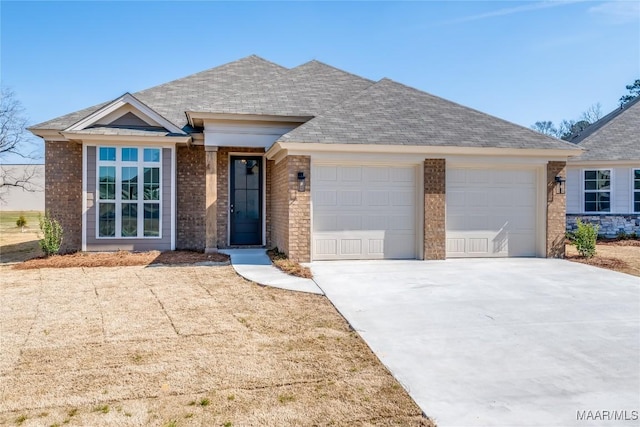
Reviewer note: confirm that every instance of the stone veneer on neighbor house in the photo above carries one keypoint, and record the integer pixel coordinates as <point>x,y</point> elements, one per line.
<point>556,210</point>
<point>610,225</point>
<point>63,190</point>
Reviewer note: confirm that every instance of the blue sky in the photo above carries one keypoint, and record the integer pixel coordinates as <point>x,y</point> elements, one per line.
<point>521,61</point>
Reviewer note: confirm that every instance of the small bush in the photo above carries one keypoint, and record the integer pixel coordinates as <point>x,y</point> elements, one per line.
<point>584,238</point>
<point>52,235</point>
<point>21,222</point>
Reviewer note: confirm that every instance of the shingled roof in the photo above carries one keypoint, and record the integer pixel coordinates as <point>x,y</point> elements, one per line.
<point>343,107</point>
<point>391,113</point>
<point>616,136</point>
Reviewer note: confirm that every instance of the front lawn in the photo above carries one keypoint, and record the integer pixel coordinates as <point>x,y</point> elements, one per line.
<point>183,346</point>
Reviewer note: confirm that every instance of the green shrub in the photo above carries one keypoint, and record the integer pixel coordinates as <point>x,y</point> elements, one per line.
<point>52,235</point>
<point>584,238</point>
<point>21,222</point>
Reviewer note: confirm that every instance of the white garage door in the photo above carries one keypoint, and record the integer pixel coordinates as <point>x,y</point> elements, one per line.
<point>491,212</point>
<point>363,212</point>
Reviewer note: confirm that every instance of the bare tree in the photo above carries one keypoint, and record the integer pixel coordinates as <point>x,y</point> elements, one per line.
<point>545,127</point>
<point>14,142</point>
<point>592,114</point>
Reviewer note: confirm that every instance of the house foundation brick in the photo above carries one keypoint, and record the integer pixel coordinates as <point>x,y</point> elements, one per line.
<point>556,211</point>
<point>63,190</point>
<point>434,209</point>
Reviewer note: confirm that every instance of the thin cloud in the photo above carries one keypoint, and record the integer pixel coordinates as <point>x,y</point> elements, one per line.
<point>618,12</point>
<point>513,10</point>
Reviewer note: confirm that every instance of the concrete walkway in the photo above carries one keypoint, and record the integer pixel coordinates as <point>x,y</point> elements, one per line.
<point>499,342</point>
<point>255,265</point>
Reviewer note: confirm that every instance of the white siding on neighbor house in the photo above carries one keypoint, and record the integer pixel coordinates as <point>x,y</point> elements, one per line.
<point>621,188</point>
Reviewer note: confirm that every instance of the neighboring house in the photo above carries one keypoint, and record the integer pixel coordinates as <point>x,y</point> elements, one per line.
<point>30,197</point>
<point>603,184</point>
<point>319,162</point>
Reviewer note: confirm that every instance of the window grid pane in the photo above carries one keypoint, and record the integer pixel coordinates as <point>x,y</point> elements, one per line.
<point>107,180</point>
<point>151,219</point>
<point>129,220</point>
<point>129,154</point>
<point>597,186</point>
<point>152,155</point>
<point>130,183</point>
<point>107,154</point>
<point>152,183</point>
<point>107,220</point>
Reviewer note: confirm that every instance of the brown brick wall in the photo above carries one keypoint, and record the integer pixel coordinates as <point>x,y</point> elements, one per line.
<point>299,209</point>
<point>190,197</point>
<point>290,210</point>
<point>434,209</point>
<point>279,206</point>
<point>556,211</point>
<point>223,189</point>
<point>63,190</point>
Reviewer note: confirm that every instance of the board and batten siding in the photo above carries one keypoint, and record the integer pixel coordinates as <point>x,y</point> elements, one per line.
<point>130,243</point>
<point>621,181</point>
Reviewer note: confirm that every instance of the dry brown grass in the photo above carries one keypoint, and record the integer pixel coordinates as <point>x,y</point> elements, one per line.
<point>134,346</point>
<point>622,256</point>
<point>120,259</point>
<point>293,268</point>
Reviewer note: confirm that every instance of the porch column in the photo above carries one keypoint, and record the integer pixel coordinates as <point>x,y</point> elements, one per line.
<point>211,183</point>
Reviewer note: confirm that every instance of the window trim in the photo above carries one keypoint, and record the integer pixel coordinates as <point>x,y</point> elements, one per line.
<point>585,191</point>
<point>140,164</point>
<point>634,191</point>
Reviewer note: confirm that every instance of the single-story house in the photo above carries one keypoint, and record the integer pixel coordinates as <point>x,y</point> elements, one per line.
<point>321,163</point>
<point>603,183</point>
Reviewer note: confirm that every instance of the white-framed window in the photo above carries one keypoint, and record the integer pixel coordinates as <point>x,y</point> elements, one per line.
<point>129,192</point>
<point>636,189</point>
<point>597,190</point>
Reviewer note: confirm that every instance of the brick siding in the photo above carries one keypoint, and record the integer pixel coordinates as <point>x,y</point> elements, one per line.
<point>63,190</point>
<point>190,197</point>
<point>434,209</point>
<point>290,215</point>
<point>556,211</point>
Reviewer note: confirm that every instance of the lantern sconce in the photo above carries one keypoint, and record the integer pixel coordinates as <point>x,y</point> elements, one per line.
<point>560,181</point>
<point>301,182</point>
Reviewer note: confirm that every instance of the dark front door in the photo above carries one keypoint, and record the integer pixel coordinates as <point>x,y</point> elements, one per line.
<point>245,205</point>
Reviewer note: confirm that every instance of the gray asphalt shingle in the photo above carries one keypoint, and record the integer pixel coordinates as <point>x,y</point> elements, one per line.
<point>345,108</point>
<point>616,136</point>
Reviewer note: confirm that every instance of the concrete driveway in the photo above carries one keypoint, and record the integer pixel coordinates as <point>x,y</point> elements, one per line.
<point>499,342</point>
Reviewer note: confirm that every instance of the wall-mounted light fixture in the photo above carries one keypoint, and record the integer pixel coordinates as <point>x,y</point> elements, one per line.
<point>560,184</point>
<point>301,182</point>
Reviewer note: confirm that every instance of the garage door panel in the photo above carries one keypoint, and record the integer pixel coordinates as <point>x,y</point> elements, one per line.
<point>498,215</point>
<point>373,216</point>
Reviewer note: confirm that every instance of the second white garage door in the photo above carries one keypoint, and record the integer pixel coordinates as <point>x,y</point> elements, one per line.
<point>491,212</point>
<point>363,212</point>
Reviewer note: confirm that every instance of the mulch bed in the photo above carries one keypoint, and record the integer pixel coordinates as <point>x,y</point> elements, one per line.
<point>120,259</point>
<point>616,242</point>
<point>293,268</point>
<point>598,261</point>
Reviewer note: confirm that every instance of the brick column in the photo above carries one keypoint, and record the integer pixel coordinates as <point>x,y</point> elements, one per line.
<point>556,211</point>
<point>434,209</point>
<point>211,183</point>
<point>299,209</point>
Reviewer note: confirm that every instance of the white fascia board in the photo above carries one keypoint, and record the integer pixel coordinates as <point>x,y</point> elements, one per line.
<point>603,163</point>
<point>196,118</point>
<point>168,140</point>
<point>296,148</point>
<point>48,134</point>
<point>125,99</point>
